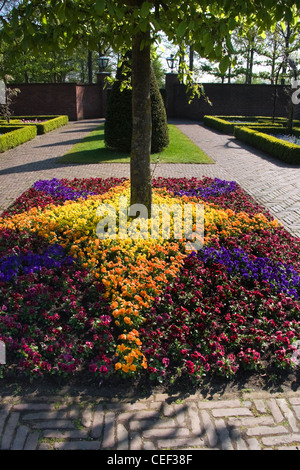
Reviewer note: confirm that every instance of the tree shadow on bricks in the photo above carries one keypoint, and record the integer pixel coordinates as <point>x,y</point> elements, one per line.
<point>88,138</point>
<point>41,165</point>
<point>257,153</point>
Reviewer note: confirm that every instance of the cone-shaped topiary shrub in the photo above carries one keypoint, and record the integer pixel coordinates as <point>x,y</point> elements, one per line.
<point>160,132</point>
<point>118,121</point>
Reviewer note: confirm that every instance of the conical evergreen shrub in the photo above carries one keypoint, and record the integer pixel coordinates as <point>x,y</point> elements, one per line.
<point>118,121</point>
<point>160,132</point>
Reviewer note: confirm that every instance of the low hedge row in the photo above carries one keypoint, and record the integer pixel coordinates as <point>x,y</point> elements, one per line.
<point>224,123</point>
<point>50,122</point>
<point>258,137</point>
<point>14,135</point>
<point>219,124</point>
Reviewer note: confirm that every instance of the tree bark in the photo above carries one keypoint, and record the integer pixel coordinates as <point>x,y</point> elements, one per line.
<point>140,172</point>
<point>90,67</point>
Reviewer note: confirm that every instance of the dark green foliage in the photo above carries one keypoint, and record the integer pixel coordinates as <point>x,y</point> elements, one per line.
<point>118,120</point>
<point>160,133</point>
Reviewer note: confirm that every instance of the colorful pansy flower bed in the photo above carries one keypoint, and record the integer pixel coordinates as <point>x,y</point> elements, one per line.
<point>73,303</point>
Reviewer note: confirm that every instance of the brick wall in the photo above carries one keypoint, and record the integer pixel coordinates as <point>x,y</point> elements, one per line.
<point>89,101</point>
<point>76,101</point>
<point>227,99</point>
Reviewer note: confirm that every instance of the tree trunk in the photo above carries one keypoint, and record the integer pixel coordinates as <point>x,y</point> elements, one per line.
<point>273,67</point>
<point>286,52</point>
<point>191,66</point>
<point>140,172</point>
<point>90,67</point>
<point>251,65</point>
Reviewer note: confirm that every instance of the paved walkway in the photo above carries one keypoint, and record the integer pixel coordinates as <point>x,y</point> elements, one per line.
<point>242,420</point>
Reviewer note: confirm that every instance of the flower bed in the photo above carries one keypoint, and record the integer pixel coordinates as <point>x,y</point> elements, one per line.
<point>73,304</point>
<point>43,124</point>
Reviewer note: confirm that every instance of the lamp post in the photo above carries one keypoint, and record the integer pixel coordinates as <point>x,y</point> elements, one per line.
<point>101,76</point>
<point>103,62</point>
<point>171,83</point>
<point>171,62</point>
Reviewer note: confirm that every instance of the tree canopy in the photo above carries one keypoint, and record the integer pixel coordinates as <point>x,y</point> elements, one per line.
<point>205,24</point>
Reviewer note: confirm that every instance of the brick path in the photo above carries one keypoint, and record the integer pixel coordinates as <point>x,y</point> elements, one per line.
<point>252,421</point>
<point>238,421</point>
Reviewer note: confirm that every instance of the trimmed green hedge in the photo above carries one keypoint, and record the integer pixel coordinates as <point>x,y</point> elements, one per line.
<point>296,132</point>
<point>14,135</point>
<point>224,124</point>
<point>51,122</point>
<point>219,124</point>
<point>259,137</point>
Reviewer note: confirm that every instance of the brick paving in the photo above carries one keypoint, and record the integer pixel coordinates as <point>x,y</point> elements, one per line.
<point>250,421</point>
<point>247,420</point>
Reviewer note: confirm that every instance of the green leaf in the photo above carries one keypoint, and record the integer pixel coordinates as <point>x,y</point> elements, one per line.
<point>61,13</point>
<point>145,9</point>
<point>25,44</point>
<point>208,48</point>
<point>181,29</point>
<point>230,45</point>
<point>207,39</point>
<point>218,50</point>
<point>143,25</point>
<point>231,24</point>
<point>224,64</point>
<point>99,6</point>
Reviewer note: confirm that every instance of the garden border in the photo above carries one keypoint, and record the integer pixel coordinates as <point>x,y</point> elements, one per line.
<point>15,135</point>
<point>53,122</point>
<point>221,124</point>
<point>257,136</point>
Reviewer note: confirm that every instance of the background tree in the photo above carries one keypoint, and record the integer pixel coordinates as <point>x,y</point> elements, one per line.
<point>257,58</point>
<point>50,66</point>
<point>275,50</point>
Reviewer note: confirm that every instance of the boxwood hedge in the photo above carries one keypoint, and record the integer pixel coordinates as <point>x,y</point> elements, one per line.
<point>14,135</point>
<point>50,122</point>
<point>227,125</point>
<point>260,138</point>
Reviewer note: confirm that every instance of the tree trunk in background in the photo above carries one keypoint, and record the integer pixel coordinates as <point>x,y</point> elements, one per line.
<point>191,58</point>
<point>140,172</point>
<point>90,67</point>
<point>286,52</point>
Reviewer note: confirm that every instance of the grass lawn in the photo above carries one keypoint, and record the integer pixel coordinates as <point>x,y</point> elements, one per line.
<point>92,149</point>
